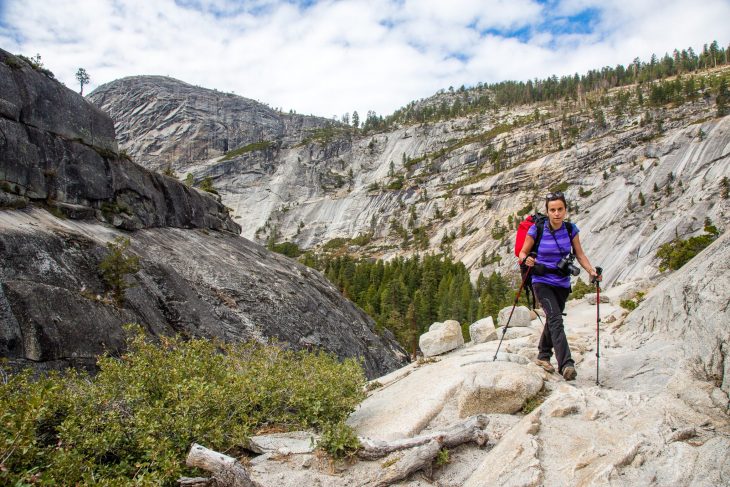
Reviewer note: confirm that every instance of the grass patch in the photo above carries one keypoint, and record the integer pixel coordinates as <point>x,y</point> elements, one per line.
<point>535,401</point>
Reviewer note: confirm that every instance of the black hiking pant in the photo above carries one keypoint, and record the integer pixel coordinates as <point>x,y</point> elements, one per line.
<point>552,299</point>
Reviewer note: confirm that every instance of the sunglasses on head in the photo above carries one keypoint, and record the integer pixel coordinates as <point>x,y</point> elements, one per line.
<point>554,196</point>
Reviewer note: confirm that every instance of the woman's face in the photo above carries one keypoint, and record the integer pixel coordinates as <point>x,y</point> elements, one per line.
<point>556,211</point>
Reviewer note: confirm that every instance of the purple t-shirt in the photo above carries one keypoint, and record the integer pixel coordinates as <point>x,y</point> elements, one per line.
<point>551,251</point>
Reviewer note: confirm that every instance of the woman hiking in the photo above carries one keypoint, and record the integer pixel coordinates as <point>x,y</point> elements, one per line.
<point>551,267</point>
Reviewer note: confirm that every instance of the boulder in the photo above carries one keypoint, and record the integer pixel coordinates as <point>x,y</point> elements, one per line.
<point>483,330</point>
<point>498,387</point>
<point>441,339</point>
<point>520,317</point>
<point>591,298</point>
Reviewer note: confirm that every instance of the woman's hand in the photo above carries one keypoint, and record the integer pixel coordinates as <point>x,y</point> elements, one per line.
<point>529,261</point>
<point>595,276</point>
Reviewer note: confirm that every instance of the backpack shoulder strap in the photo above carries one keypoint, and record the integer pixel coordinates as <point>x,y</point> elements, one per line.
<point>540,229</point>
<point>571,230</point>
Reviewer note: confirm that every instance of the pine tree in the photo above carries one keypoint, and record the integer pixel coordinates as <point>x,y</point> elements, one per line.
<point>722,98</point>
<point>116,266</point>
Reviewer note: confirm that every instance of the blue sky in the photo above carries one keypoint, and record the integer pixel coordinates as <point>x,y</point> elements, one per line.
<point>329,57</point>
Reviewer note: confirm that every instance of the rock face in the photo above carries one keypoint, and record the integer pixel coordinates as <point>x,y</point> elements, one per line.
<point>193,123</point>
<point>691,310</point>
<point>197,276</point>
<point>60,150</point>
<point>441,338</point>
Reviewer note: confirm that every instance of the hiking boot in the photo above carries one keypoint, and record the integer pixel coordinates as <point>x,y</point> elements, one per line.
<point>569,372</point>
<point>545,364</point>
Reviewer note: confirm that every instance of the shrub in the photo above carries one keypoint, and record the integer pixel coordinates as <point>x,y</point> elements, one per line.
<point>167,171</point>
<point>207,185</point>
<point>525,210</point>
<point>133,423</point>
<point>290,249</point>
<point>396,184</point>
<point>673,255</point>
<point>498,231</point>
<point>559,188</point>
<point>13,62</point>
<point>580,289</point>
<point>629,304</point>
<point>443,457</point>
<point>335,243</point>
<point>116,266</point>
<point>339,440</point>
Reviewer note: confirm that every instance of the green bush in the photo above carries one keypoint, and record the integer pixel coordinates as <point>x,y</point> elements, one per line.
<point>629,304</point>
<point>580,289</point>
<point>207,185</point>
<point>525,210</point>
<point>673,255</point>
<point>396,184</point>
<point>339,440</point>
<point>560,187</point>
<point>133,423</point>
<point>290,249</point>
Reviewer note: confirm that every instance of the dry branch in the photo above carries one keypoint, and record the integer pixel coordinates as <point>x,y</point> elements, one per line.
<point>227,472</point>
<point>412,460</point>
<point>471,429</point>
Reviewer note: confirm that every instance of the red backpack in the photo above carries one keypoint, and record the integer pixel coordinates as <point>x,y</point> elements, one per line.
<point>524,227</point>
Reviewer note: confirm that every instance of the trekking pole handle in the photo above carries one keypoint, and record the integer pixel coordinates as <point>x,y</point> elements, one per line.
<point>599,272</point>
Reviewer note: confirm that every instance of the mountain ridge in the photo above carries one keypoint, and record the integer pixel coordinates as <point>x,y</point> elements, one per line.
<point>466,178</point>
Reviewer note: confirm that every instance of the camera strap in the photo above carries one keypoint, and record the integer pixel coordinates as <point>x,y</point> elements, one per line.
<point>552,232</point>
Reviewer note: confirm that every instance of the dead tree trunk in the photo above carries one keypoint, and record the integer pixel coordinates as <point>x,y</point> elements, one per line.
<point>412,460</point>
<point>471,429</point>
<point>226,470</point>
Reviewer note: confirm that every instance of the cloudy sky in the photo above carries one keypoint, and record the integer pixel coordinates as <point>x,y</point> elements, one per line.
<point>328,57</point>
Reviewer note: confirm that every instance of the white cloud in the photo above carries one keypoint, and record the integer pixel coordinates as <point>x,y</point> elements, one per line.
<point>335,56</point>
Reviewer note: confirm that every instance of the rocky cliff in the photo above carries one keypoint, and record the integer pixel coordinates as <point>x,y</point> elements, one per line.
<point>66,191</point>
<point>637,175</point>
<point>164,122</point>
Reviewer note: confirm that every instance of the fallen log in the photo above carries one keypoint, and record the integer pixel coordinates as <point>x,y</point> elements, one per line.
<point>471,429</point>
<point>412,460</point>
<point>227,471</point>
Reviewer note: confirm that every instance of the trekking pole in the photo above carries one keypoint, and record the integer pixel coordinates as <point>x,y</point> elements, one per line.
<point>504,330</point>
<point>598,317</point>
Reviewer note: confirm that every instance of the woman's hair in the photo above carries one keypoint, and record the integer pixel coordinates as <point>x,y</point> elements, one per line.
<point>556,196</point>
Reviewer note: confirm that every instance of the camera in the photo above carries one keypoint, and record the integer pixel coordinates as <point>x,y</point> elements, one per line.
<point>566,265</point>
